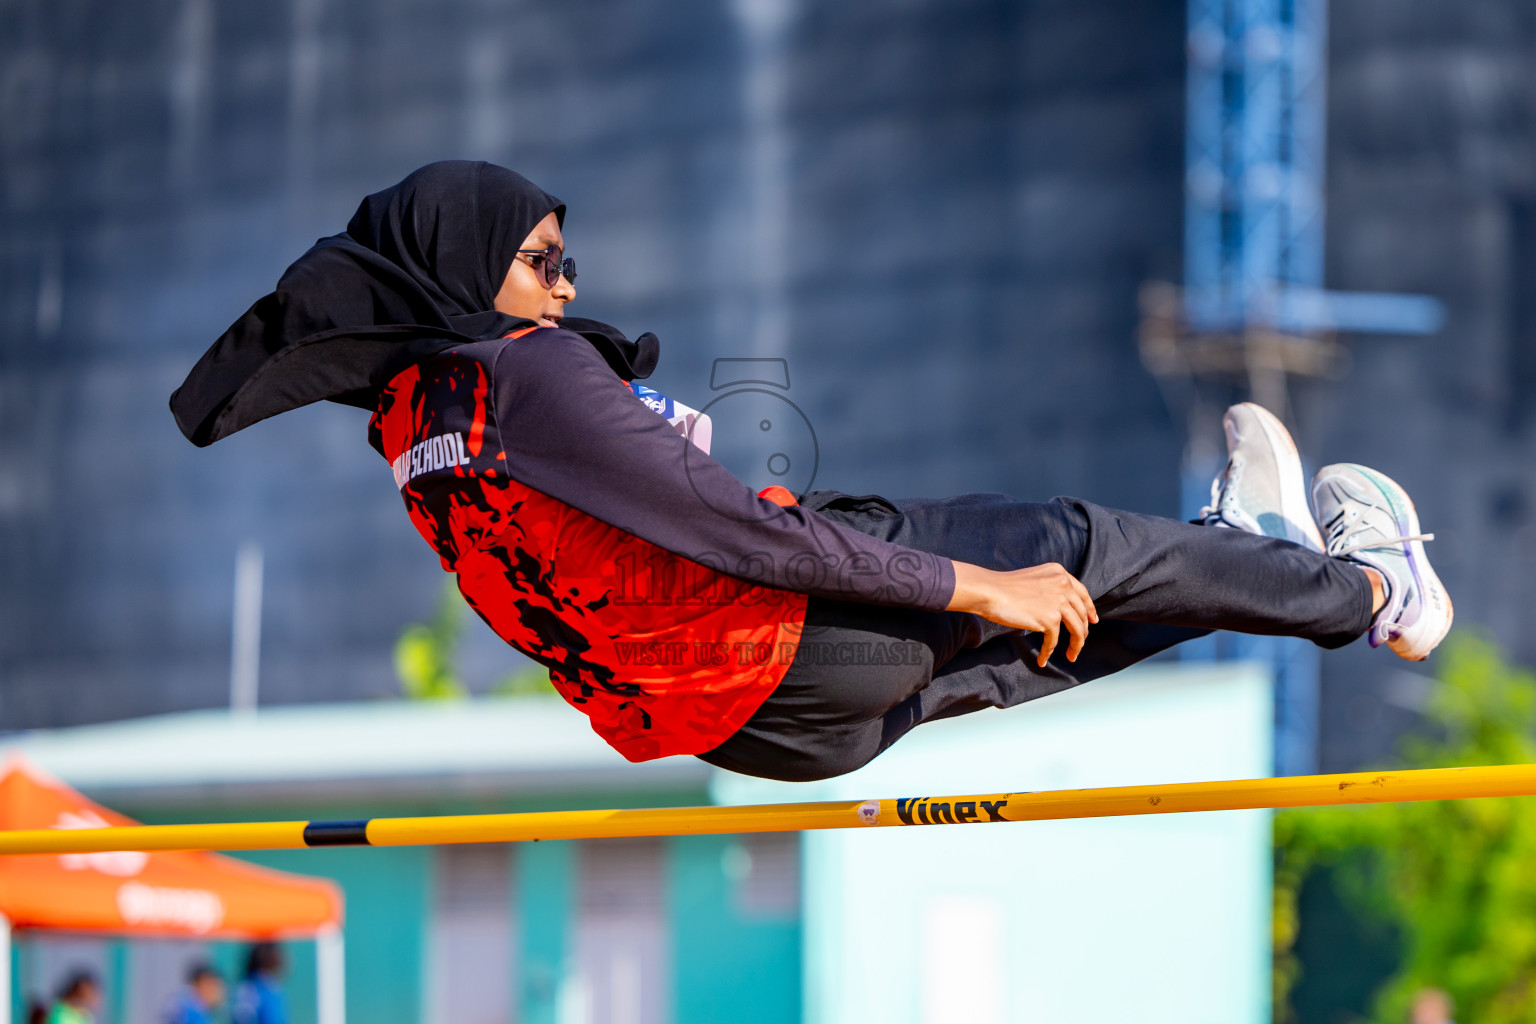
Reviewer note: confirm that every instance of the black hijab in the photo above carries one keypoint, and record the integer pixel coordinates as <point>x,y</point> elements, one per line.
<point>416,272</point>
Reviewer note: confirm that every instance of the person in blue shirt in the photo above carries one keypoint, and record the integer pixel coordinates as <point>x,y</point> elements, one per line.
<point>197,1001</point>
<point>259,997</point>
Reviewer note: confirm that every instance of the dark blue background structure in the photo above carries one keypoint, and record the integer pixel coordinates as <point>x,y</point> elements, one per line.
<point>939,212</point>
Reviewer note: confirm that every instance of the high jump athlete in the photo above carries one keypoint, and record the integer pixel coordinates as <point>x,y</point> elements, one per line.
<point>682,613</point>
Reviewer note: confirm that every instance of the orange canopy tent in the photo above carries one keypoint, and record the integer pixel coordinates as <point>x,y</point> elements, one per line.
<point>181,894</point>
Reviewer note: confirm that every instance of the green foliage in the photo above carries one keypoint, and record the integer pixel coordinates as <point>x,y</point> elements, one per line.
<point>532,681</point>
<point>1452,878</point>
<point>424,652</point>
<point>425,658</point>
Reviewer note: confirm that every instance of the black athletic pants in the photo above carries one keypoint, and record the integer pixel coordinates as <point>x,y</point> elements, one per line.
<point>865,674</point>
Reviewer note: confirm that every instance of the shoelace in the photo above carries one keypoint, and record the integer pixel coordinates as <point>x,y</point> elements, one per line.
<point>1353,516</point>
<point>1220,486</point>
<point>1380,542</point>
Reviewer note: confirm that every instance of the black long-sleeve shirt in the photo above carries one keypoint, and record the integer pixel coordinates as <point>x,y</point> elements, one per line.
<point>664,596</point>
<point>574,431</point>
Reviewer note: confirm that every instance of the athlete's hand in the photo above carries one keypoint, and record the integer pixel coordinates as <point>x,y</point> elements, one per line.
<point>1044,599</point>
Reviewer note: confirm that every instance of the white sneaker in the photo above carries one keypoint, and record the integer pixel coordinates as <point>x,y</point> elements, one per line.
<point>1370,519</point>
<point>1262,489</point>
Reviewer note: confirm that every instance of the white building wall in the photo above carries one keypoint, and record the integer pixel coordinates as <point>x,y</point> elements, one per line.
<point>1161,918</point>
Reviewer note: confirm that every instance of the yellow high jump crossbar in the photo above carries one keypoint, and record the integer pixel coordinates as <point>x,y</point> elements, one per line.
<point>1178,798</point>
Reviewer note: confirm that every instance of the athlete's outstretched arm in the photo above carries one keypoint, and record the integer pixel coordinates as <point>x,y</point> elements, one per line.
<point>1044,599</point>
<point>573,430</point>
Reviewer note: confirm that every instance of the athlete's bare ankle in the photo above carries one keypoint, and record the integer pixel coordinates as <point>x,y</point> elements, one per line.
<point>1378,589</point>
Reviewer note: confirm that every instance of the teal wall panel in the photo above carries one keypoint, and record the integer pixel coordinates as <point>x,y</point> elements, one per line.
<point>387,892</point>
<point>117,981</point>
<point>18,997</point>
<point>726,965</point>
<point>546,902</point>
<point>301,987</point>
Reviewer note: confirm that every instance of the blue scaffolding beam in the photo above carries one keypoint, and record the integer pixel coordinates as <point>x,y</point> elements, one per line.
<point>1253,249</point>
<point>1254,185</point>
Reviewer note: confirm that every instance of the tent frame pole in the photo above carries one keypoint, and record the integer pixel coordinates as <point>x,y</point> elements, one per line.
<point>330,977</point>
<point>5,969</point>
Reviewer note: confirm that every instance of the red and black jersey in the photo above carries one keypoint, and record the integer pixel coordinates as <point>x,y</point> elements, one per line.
<point>663,595</point>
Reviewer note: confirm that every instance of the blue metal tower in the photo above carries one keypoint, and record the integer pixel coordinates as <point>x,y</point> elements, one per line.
<point>1254,212</point>
<point>1253,310</point>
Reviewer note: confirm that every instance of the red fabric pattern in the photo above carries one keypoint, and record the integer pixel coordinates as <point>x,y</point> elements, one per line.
<point>663,654</point>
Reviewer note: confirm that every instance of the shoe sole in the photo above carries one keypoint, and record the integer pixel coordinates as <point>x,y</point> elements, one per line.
<point>1417,641</point>
<point>1295,507</point>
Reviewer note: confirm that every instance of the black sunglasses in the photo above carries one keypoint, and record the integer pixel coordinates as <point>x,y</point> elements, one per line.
<point>553,262</point>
